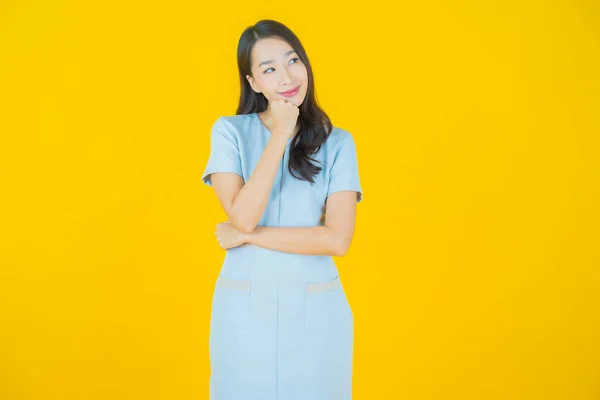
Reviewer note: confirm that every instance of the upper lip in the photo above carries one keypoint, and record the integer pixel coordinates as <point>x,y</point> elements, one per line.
<point>291,90</point>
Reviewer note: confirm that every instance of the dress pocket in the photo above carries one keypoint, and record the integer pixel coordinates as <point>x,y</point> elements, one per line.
<point>326,305</point>
<point>231,303</point>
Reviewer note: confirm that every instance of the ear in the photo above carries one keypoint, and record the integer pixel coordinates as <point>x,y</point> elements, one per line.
<point>252,83</point>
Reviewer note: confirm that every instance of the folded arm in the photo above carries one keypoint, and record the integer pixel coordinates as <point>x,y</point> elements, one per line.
<point>332,238</point>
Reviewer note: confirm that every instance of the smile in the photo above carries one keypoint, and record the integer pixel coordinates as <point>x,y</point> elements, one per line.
<point>290,93</point>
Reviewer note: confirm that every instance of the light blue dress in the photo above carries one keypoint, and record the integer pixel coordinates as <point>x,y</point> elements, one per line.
<point>281,326</point>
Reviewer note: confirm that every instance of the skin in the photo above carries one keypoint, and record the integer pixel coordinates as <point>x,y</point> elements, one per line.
<point>244,203</point>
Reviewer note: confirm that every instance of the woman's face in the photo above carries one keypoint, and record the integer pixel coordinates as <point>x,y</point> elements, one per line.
<point>277,68</point>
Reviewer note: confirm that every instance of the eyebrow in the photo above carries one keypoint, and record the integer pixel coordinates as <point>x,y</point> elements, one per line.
<point>270,61</point>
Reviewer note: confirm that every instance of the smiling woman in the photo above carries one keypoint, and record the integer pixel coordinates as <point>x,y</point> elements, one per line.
<point>281,325</point>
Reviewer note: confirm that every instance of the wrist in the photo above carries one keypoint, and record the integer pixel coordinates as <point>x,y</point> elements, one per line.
<point>250,237</point>
<point>247,237</point>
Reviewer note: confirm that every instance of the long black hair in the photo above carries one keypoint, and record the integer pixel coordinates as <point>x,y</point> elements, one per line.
<point>315,125</point>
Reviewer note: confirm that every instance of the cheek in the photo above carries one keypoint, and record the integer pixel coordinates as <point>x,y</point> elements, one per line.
<point>304,71</point>
<point>269,88</point>
<point>263,84</point>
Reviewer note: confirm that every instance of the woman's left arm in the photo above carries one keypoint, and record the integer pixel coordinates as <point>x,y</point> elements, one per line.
<point>332,238</point>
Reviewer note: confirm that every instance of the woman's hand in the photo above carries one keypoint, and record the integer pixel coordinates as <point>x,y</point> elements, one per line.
<point>284,116</point>
<point>228,236</point>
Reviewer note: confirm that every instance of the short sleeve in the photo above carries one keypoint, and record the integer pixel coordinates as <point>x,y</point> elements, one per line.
<point>224,152</point>
<point>343,174</point>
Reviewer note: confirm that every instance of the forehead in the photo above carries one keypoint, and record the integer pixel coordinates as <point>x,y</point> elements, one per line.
<point>269,49</point>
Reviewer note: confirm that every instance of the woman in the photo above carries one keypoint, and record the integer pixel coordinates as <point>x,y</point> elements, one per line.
<point>281,326</point>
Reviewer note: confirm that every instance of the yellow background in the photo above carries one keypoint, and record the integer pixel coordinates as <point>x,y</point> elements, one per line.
<point>474,269</point>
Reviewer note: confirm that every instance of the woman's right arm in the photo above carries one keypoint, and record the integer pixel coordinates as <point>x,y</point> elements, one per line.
<point>245,204</point>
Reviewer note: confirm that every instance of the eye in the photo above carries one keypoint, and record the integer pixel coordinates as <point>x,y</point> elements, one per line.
<point>295,58</point>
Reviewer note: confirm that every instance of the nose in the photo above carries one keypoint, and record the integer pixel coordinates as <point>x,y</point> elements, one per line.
<point>285,76</point>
